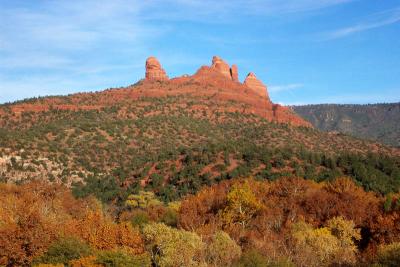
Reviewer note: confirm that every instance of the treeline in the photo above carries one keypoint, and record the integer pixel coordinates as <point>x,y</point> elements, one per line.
<point>374,172</point>
<point>240,222</point>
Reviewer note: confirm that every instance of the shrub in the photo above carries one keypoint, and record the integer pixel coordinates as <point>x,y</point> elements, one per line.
<point>65,250</point>
<point>222,251</point>
<point>122,259</point>
<point>389,255</point>
<point>142,200</point>
<point>89,261</point>
<point>252,258</point>
<point>173,247</point>
<point>314,247</point>
<point>170,217</point>
<point>140,218</point>
<point>330,245</point>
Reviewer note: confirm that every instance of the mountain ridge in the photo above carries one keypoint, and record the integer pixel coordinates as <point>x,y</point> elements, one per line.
<point>379,122</point>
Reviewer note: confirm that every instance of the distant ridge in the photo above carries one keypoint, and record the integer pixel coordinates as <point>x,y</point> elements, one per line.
<point>380,122</point>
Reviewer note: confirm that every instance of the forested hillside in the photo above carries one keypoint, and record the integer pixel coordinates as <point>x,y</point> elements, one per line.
<point>380,122</point>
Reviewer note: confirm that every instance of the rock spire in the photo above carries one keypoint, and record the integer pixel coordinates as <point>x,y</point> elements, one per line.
<point>252,82</point>
<point>154,71</point>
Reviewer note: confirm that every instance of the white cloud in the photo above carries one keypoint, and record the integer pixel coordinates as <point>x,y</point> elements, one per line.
<point>286,87</point>
<point>375,21</point>
<point>223,11</point>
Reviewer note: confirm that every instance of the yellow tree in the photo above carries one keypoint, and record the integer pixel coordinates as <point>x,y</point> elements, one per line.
<point>313,247</point>
<point>330,245</point>
<point>242,205</point>
<point>222,250</point>
<point>171,247</point>
<point>142,200</point>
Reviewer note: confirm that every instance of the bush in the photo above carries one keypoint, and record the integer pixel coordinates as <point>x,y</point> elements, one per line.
<point>330,245</point>
<point>173,247</point>
<point>65,250</point>
<point>140,218</point>
<point>389,255</point>
<point>252,258</point>
<point>122,259</point>
<point>222,251</point>
<point>170,217</point>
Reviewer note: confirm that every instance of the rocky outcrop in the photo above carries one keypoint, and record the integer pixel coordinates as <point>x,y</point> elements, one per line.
<point>220,81</point>
<point>234,73</point>
<point>154,71</point>
<point>252,82</point>
<point>222,67</point>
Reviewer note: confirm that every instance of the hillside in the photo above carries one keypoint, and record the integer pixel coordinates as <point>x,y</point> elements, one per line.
<point>380,122</point>
<point>175,135</point>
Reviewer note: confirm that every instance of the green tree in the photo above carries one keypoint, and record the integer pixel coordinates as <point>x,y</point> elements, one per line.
<point>387,205</point>
<point>65,250</point>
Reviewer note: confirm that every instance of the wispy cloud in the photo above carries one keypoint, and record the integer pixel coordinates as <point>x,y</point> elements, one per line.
<point>376,21</point>
<point>223,11</point>
<point>286,87</point>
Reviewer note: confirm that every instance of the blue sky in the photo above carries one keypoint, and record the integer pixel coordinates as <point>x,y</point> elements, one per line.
<point>306,51</point>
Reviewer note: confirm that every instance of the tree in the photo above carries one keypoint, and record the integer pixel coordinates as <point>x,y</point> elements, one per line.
<point>242,205</point>
<point>389,255</point>
<point>142,200</point>
<point>346,234</point>
<point>387,205</point>
<point>102,233</point>
<point>314,247</point>
<point>65,250</point>
<point>89,261</point>
<point>222,251</point>
<point>171,247</point>
<point>32,216</point>
<point>252,258</point>
<point>121,258</point>
<point>330,245</point>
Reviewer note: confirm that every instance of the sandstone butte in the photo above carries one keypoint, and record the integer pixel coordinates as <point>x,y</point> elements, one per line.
<point>218,82</point>
<point>225,79</point>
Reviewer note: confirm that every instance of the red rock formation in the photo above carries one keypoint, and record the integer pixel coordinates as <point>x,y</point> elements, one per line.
<point>217,83</point>
<point>252,82</point>
<point>221,66</point>
<point>234,73</point>
<point>154,71</point>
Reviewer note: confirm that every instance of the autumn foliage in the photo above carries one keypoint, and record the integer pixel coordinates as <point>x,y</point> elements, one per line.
<point>339,217</point>
<point>241,222</point>
<point>35,215</point>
